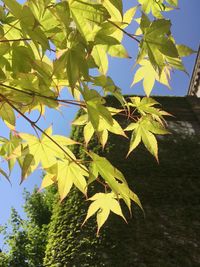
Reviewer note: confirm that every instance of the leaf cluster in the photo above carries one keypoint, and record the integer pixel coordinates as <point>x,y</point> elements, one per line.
<point>60,42</point>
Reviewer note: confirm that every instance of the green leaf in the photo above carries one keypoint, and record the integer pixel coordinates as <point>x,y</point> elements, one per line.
<point>47,180</point>
<point>142,104</point>
<point>157,28</point>
<point>144,131</point>
<point>118,51</point>
<point>63,13</point>
<point>109,87</point>
<point>114,7</point>
<point>2,76</point>
<point>2,172</point>
<point>88,132</point>
<point>129,15</point>
<point>70,173</point>
<point>130,195</point>
<point>113,128</point>
<point>7,149</point>
<point>103,137</point>
<point>27,162</point>
<point>135,140</point>
<point>157,43</point>
<point>144,22</point>
<point>4,48</point>
<point>14,7</point>
<point>176,63</point>
<point>19,53</point>
<point>100,58</point>
<point>146,5</point>
<point>103,203</point>
<point>107,171</point>
<point>155,6</point>
<point>149,141</point>
<point>146,105</point>
<point>173,2</point>
<point>113,177</point>
<point>149,75</point>
<point>93,173</point>
<point>87,15</point>
<point>184,50</point>
<point>111,45</point>
<point>95,108</point>
<point>46,152</point>
<point>168,48</point>
<point>7,113</point>
<point>72,68</point>
<point>83,119</point>
<point>32,27</point>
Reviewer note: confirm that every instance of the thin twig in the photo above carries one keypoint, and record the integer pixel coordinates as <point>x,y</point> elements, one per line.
<point>14,40</point>
<point>102,183</point>
<point>125,32</point>
<point>32,94</point>
<point>129,116</point>
<point>36,121</point>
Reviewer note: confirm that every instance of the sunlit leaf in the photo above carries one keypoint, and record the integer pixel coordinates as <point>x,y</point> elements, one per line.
<point>103,204</point>
<point>46,152</point>
<point>143,131</point>
<point>70,173</point>
<point>100,58</point>
<point>149,75</point>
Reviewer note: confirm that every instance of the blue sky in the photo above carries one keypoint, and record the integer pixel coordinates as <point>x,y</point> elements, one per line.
<point>185,29</point>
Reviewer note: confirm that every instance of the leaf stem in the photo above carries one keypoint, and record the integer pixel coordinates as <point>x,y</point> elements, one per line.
<point>125,32</point>
<point>129,116</point>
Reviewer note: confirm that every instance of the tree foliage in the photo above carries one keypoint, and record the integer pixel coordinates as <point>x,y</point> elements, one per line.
<point>26,238</point>
<point>3,259</point>
<point>60,42</point>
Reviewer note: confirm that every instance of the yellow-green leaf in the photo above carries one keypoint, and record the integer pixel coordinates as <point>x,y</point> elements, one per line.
<point>184,50</point>
<point>7,113</point>
<point>47,180</point>
<point>70,173</point>
<point>100,58</point>
<point>103,203</point>
<point>88,132</point>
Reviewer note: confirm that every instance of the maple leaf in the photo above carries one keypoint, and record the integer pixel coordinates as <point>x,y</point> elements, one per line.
<point>103,204</point>
<point>44,151</point>
<point>144,131</point>
<point>149,75</point>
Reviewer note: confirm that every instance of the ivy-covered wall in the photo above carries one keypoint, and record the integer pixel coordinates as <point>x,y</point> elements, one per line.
<point>168,235</point>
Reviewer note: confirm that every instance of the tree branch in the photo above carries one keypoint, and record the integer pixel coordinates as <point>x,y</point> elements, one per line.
<point>33,124</point>
<point>32,94</point>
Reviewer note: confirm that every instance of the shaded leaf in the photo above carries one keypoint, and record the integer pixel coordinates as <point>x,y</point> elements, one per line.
<point>7,113</point>
<point>2,172</point>
<point>27,162</point>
